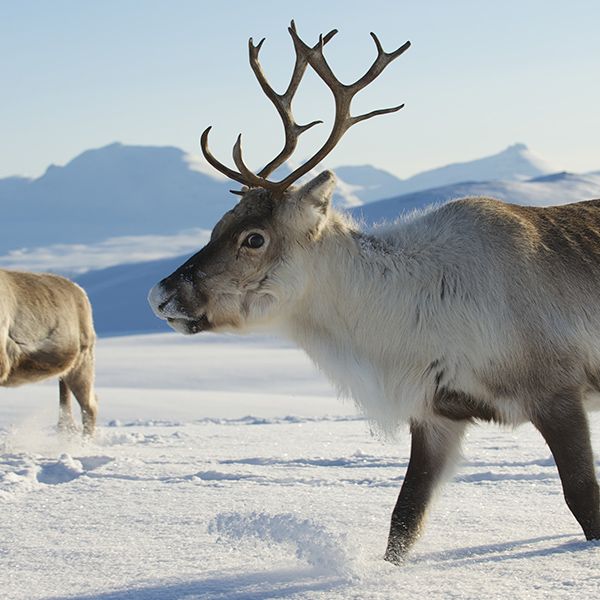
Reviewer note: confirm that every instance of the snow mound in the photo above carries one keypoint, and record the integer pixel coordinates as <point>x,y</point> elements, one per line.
<point>23,472</point>
<point>65,469</point>
<point>309,541</point>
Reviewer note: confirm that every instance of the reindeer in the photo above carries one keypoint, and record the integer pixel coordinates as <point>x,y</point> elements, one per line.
<point>46,330</point>
<point>475,311</point>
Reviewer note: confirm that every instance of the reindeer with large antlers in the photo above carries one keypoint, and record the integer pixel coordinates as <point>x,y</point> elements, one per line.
<point>476,311</point>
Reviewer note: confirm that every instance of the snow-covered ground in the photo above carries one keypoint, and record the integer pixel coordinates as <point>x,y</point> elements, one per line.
<point>226,468</point>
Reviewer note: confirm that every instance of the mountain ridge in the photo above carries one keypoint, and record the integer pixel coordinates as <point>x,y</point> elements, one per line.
<point>133,210</point>
<point>121,190</point>
<point>116,313</point>
<point>555,189</point>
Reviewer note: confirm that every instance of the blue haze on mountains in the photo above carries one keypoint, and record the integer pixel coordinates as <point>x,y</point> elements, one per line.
<point>134,191</point>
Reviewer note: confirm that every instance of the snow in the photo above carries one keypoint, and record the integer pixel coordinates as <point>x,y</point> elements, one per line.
<point>225,468</point>
<point>516,163</point>
<point>560,188</point>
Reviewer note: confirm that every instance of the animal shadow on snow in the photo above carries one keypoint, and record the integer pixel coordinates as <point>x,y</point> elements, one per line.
<point>500,552</point>
<point>250,586</point>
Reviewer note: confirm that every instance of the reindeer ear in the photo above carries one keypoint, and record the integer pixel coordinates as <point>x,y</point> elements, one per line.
<point>311,202</point>
<point>318,191</point>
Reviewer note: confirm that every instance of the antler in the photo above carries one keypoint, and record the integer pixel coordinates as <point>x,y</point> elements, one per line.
<point>342,94</point>
<point>283,104</point>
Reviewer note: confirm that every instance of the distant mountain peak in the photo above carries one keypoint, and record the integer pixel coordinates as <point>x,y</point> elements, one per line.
<point>515,163</point>
<point>517,147</point>
<point>530,162</point>
<point>121,189</point>
<point>115,190</point>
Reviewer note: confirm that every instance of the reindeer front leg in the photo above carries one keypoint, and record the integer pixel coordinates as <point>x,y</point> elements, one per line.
<point>435,448</point>
<point>564,426</point>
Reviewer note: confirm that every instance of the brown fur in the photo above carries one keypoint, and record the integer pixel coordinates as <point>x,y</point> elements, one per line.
<point>46,330</point>
<point>477,311</point>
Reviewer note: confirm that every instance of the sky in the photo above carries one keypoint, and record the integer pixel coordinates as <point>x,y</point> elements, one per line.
<point>479,77</point>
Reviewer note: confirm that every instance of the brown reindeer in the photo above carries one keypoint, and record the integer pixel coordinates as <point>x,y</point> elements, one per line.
<point>476,311</point>
<point>46,330</point>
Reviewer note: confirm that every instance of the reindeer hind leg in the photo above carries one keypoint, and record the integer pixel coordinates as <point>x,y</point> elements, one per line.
<point>80,381</point>
<point>65,412</point>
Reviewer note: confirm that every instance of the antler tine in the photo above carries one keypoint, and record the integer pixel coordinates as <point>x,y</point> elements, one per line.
<point>218,165</point>
<point>254,180</point>
<point>381,62</point>
<point>283,102</point>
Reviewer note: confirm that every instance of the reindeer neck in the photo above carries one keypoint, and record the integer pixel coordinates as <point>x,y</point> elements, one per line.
<point>358,318</point>
<point>352,277</point>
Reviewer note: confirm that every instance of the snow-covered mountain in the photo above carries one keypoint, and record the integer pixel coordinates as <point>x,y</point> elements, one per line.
<point>130,215</point>
<point>368,184</point>
<point>358,185</point>
<point>560,188</point>
<point>120,190</point>
<point>118,294</point>
<point>113,191</point>
<point>516,163</point>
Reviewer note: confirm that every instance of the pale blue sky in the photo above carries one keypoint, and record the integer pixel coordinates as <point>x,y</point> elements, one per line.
<point>479,77</point>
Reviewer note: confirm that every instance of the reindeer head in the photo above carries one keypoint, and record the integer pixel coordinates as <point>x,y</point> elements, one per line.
<point>252,266</point>
<point>248,270</point>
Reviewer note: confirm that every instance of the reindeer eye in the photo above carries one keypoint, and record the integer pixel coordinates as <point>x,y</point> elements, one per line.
<point>254,240</point>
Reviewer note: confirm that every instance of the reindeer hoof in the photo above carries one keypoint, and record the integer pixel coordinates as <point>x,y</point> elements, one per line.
<point>395,555</point>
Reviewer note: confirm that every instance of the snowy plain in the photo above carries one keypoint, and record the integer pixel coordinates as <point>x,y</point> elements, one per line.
<point>226,468</point>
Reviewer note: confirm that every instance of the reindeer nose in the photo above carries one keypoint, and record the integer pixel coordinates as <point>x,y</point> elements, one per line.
<point>159,300</point>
